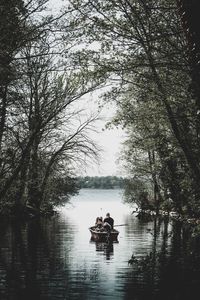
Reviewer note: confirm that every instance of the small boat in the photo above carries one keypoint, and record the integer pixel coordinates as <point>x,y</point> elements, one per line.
<point>98,235</point>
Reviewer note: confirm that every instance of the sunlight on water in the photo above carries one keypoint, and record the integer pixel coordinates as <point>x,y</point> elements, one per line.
<point>85,207</point>
<point>54,258</point>
<point>98,264</point>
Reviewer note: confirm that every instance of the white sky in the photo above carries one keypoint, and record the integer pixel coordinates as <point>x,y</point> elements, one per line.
<point>109,140</point>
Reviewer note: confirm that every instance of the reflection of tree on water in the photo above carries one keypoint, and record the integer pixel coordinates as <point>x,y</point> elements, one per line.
<point>171,270</point>
<point>32,260</point>
<point>106,247</point>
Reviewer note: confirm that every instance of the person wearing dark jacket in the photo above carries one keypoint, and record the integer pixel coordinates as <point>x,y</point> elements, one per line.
<point>108,222</point>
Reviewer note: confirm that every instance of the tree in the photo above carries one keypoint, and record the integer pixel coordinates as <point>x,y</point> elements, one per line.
<point>140,48</point>
<point>190,23</point>
<point>44,133</point>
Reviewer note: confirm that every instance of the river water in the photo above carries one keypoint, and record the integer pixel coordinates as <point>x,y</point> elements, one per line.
<point>54,258</point>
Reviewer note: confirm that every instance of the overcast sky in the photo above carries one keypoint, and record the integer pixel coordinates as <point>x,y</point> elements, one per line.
<point>109,140</point>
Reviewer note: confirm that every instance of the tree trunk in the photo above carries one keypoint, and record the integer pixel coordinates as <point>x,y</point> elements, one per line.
<point>192,159</point>
<point>157,195</point>
<point>189,15</point>
<point>21,198</point>
<point>34,188</point>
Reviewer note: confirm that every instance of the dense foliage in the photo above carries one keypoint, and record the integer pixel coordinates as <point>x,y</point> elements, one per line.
<point>43,137</point>
<point>146,55</point>
<point>101,182</point>
<point>141,49</point>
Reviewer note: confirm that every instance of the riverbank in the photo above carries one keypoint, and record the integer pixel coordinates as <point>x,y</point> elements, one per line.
<point>171,214</point>
<point>27,212</point>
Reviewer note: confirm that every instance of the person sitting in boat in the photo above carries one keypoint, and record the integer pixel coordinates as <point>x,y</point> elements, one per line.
<point>99,222</point>
<point>108,222</point>
<point>107,226</point>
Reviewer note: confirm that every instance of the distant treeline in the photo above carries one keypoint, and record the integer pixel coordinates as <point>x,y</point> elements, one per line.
<point>105,182</point>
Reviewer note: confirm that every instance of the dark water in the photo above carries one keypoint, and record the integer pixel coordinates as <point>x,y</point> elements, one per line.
<point>55,259</point>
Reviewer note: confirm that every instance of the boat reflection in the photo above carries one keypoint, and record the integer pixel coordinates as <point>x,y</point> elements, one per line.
<point>107,248</point>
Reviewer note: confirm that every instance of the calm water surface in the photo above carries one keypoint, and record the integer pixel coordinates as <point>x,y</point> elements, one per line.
<point>55,258</point>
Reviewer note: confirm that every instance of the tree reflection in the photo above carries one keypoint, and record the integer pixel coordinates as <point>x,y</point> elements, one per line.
<point>171,270</point>
<point>106,247</point>
<point>32,260</point>
<point>42,260</point>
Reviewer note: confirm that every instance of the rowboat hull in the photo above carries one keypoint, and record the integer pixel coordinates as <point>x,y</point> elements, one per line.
<point>103,235</point>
